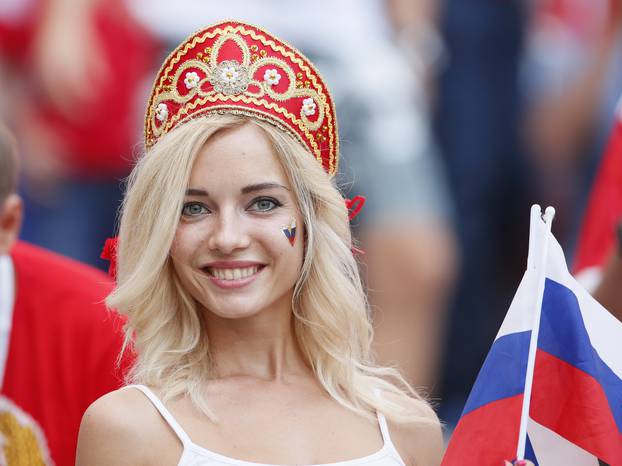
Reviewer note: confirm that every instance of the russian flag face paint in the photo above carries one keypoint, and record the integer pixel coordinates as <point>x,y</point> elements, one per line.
<point>290,232</point>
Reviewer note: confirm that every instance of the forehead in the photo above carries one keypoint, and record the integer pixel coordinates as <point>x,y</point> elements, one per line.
<point>237,156</point>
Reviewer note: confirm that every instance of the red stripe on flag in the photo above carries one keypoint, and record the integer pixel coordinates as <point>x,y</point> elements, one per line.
<point>573,404</point>
<point>486,435</point>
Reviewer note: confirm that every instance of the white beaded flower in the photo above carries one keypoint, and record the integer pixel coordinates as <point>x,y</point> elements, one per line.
<point>229,74</point>
<point>230,77</point>
<point>272,77</point>
<point>308,107</point>
<point>161,112</point>
<point>191,80</point>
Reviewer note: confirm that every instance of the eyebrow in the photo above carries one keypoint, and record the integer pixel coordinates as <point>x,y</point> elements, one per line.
<point>196,192</point>
<point>261,187</point>
<point>245,190</point>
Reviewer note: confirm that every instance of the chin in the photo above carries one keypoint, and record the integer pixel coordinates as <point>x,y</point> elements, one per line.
<point>242,307</point>
<point>233,313</point>
<point>238,307</point>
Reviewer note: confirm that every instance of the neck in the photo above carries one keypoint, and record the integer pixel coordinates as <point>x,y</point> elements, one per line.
<point>261,346</point>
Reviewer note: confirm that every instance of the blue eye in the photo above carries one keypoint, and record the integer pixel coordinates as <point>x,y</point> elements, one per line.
<point>192,209</point>
<point>265,204</point>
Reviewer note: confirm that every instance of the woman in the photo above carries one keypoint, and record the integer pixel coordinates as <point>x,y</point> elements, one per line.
<point>235,271</point>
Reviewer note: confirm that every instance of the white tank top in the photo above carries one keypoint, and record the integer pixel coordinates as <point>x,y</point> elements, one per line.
<point>194,455</point>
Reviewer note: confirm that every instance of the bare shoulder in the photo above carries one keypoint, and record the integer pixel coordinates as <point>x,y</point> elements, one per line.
<point>113,429</point>
<point>420,442</point>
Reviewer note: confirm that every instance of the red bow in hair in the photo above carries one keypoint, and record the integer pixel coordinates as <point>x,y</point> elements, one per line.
<point>354,206</point>
<point>109,253</point>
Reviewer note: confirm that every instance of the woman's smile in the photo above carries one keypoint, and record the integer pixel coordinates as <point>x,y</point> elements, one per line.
<point>233,274</point>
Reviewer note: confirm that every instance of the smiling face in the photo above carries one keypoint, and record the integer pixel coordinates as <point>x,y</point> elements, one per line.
<point>230,251</point>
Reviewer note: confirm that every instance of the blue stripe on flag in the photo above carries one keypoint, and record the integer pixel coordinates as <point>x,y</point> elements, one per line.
<point>563,334</point>
<point>529,453</point>
<point>503,372</point>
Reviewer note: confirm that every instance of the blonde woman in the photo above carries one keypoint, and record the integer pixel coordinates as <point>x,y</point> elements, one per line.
<point>235,271</point>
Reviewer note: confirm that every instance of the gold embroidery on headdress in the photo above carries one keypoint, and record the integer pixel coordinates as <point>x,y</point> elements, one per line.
<point>234,82</point>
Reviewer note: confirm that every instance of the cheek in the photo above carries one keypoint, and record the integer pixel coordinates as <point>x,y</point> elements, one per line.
<point>183,256</point>
<point>185,243</point>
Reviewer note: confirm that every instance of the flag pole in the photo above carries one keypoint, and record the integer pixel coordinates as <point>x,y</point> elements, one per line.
<point>540,268</point>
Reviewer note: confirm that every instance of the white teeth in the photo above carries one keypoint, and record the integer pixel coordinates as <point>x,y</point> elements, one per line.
<point>233,274</point>
<point>248,272</point>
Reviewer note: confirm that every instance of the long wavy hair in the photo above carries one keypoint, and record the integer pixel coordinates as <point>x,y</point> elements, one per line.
<point>166,326</point>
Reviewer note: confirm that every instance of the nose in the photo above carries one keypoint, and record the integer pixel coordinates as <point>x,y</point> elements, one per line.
<point>230,232</point>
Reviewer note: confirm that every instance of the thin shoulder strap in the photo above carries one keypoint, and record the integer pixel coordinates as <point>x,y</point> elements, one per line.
<point>165,413</point>
<point>382,421</point>
<point>384,428</point>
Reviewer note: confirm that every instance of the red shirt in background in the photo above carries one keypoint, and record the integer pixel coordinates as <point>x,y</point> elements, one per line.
<point>63,345</point>
<point>101,140</point>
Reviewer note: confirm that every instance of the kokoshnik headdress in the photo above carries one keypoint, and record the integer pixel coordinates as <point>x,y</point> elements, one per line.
<point>235,68</point>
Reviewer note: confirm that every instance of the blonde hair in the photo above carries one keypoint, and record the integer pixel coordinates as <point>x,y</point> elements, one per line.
<point>166,327</point>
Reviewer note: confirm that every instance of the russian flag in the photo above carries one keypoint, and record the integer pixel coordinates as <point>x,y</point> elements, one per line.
<point>575,376</point>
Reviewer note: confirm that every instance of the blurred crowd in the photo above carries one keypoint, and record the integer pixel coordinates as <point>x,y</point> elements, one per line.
<point>454,118</point>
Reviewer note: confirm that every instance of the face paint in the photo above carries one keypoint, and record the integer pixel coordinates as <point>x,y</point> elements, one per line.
<point>290,232</point>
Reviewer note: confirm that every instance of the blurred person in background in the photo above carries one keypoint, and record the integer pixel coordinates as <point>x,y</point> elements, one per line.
<point>58,343</point>
<point>373,57</point>
<point>476,120</point>
<point>406,229</point>
<point>572,77</point>
<point>73,89</point>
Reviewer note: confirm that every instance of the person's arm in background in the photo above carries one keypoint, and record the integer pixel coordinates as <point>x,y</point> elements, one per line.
<point>415,29</point>
<point>59,76</point>
<point>410,251</point>
<point>559,124</point>
<point>67,56</point>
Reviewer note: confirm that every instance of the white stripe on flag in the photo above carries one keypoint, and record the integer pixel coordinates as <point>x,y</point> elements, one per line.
<point>519,316</point>
<point>553,450</point>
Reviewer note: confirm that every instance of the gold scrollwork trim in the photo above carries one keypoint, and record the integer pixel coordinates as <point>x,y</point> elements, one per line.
<point>174,93</point>
<point>188,108</point>
<point>309,69</point>
<point>246,54</point>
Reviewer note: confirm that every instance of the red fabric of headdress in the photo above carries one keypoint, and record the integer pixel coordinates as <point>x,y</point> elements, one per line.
<point>234,67</point>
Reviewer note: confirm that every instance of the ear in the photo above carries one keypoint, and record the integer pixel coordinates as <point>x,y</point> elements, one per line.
<point>10,222</point>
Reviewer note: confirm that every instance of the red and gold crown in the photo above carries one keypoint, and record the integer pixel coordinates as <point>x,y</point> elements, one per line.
<point>233,67</point>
